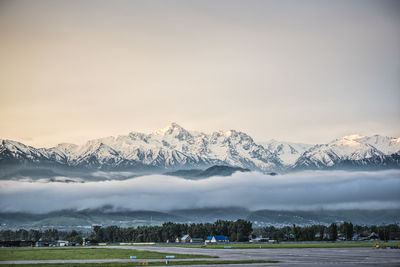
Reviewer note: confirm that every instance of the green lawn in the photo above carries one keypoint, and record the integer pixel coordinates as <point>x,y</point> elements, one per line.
<point>293,245</point>
<point>83,253</point>
<point>154,263</point>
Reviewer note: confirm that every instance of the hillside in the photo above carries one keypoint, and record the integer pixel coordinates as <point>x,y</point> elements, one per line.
<point>85,219</point>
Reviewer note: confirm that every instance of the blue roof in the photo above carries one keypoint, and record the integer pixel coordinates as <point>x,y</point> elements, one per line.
<point>218,237</point>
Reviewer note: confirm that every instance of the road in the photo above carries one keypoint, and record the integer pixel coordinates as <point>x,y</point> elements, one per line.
<point>286,257</point>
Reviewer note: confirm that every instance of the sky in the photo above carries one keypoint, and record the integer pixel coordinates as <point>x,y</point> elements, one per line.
<point>312,190</point>
<point>304,71</point>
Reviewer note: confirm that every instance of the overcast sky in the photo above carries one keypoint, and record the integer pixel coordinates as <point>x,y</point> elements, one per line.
<point>306,71</point>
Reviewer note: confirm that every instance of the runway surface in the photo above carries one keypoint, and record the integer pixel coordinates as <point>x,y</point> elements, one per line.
<point>286,257</point>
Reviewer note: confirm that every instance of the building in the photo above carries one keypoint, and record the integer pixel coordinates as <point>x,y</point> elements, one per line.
<point>259,239</point>
<point>217,239</point>
<point>373,236</point>
<point>62,243</point>
<point>186,239</point>
<point>46,244</point>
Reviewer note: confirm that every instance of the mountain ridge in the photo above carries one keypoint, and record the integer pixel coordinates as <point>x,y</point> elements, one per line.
<point>216,170</point>
<point>174,148</point>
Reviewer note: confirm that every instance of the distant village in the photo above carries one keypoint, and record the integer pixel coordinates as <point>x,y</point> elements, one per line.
<point>220,232</point>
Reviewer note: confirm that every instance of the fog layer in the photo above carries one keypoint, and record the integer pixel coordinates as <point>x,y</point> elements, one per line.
<point>295,191</point>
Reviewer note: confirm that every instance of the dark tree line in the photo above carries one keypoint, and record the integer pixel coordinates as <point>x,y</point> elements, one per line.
<point>326,233</point>
<point>239,230</point>
<point>49,235</point>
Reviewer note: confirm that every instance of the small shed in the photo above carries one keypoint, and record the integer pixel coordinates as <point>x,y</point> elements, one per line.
<point>373,236</point>
<point>186,239</point>
<point>62,243</point>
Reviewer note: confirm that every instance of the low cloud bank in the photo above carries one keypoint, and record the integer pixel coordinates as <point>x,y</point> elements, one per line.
<point>112,175</point>
<point>294,191</point>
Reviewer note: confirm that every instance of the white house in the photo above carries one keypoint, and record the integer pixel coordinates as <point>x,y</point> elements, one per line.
<point>62,243</point>
<point>186,239</point>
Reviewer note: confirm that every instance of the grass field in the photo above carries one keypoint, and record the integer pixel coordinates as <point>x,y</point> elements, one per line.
<point>154,263</point>
<point>9,254</point>
<point>293,245</point>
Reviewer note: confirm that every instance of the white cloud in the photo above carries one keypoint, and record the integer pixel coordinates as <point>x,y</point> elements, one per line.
<point>303,190</point>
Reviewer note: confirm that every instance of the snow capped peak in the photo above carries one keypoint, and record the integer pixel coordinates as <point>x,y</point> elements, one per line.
<point>174,130</point>
<point>228,133</point>
<point>233,133</point>
<point>173,127</point>
<point>174,147</point>
<point>348,141</point>
<point>170,128</point>
<point>353,137</point>
<point>355,147</point>
<point>66,146</point>
<point>345,142</point>
<point>15,145</point>
<point>388,145</point>
<point>133,136</point>
<point>287,152</point>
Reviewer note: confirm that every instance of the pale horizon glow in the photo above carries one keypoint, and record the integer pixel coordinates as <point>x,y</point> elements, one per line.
<point>301,71</point>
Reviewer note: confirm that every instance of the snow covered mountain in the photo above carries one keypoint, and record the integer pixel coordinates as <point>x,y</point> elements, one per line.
<point>176,148</point>
<point>169,148</point>
<point>287,152</point>
<point>351,151</point>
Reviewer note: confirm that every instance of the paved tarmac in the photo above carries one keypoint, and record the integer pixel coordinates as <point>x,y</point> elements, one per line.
<point>286,257</point>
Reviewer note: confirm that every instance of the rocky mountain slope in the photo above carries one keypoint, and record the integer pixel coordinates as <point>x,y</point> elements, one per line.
<point>175,148</point>
<point>287,152</point>
<point>216,170</point>
<point>352,151</point>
